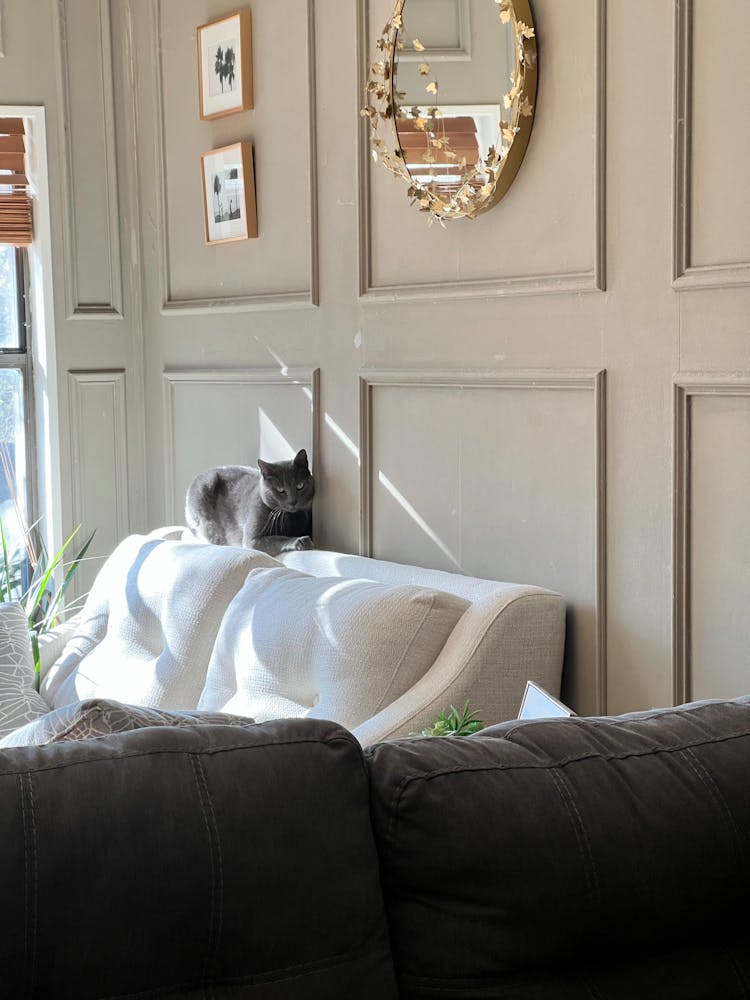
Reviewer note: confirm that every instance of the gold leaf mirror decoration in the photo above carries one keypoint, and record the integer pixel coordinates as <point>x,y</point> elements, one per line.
<point>450,101</point>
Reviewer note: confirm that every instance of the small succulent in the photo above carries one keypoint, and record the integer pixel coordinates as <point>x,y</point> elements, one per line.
<point>455,723</point>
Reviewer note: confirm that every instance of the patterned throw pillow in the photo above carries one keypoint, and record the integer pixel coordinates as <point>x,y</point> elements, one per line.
<point>19,701</point>
<point>86,720</point>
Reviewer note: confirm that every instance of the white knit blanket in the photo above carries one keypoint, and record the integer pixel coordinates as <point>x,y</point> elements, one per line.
<point>150,622</point>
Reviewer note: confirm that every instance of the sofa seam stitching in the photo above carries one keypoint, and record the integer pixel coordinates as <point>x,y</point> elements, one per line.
<point>706,779</point>
<point>471,653</point>
<point>591,987</point>
<point>738,971</point>
<point>26,879</point>
<point>34,887</point>
<point>563,789</point>
<point>404,653</point>
<point>530,765</point>
<point>254,978</point>
<point>398,795</point>
<point>153,751</point>
<point>219,856</point>
<point>604,721</point>
<point>212,933</point>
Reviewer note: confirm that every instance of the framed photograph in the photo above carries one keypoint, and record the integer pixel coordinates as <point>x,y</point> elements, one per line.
<point>229,193</point>
<point>225,65</point>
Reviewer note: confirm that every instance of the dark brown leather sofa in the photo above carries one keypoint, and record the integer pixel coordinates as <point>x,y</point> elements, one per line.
<point>605,859</point>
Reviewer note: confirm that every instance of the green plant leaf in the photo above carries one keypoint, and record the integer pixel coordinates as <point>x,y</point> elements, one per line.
<point>42,601</point>
<point>455,723</point>
<point>50,618</point>
<point>37,658</point>
<point>5,588</point>
<point>37,591</point>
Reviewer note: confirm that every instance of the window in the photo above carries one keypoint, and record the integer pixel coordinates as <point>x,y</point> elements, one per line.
<point>16,424</point>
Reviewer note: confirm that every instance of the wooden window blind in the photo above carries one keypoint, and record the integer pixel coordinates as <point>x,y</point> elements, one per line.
<point>16,213</point>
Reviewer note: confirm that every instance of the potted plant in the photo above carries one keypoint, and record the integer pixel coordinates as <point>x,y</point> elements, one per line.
<point>38,581</point>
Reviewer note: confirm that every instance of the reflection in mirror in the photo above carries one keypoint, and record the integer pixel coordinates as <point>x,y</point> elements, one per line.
<point>446,136</point>
<point>457,81</point>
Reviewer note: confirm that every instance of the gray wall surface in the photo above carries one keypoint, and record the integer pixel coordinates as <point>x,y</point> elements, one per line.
<point>557,392</point>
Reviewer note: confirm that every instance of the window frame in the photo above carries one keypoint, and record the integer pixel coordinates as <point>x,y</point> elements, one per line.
<point>21,359</point>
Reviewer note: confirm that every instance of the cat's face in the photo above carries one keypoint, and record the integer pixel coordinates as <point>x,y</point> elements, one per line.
<point>287,486</point>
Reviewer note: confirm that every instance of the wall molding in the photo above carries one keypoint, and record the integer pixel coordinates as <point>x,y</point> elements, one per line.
<point>111,307</point>
<point>292,299</point>
<point>133,244</point>
<point>593,381</point>
<point>455,53</point>
<point>172,379</point>
<point>593,280</point>
<point>685,388</point>
<point>685,275</point>
<point>79,382</point>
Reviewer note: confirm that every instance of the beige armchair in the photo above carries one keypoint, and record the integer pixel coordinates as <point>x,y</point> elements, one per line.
<point>171,623</point>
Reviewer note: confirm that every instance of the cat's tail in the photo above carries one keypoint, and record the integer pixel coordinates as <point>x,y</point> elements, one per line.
<point>213,488</point>
<point>201,503</point>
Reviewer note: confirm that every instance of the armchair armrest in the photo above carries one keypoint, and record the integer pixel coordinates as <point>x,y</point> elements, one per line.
<point>498,644</point>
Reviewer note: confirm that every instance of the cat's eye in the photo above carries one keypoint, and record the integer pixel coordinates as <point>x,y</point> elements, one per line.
<point>300,486</point>
<point>279,489</point>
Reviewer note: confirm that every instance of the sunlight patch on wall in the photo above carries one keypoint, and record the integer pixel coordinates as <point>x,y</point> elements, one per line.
<point>283,367</point>
<point>418,519</point>
<point>342,436</point>
<point>273,446</point>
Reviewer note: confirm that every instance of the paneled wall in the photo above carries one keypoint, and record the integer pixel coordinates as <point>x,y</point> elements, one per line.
<point>555,393</point>
<point>267,414</point>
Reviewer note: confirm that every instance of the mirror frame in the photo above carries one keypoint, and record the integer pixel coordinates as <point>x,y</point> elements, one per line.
<point>503,160</point>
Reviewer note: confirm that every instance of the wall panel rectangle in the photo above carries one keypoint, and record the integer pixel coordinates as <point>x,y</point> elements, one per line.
<point>498,476</point>
<point>98,426</point>
<point>280,267</point>
<point>711,195</point>
<point>549,232</point>
<point>92,242</point>
<point>712,539</point>
<point>234,418</point>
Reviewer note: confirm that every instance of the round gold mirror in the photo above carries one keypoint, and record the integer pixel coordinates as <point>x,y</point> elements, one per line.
<point>450,100</point>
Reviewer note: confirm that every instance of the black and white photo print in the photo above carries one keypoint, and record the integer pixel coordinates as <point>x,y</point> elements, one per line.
<point>225,65</point>
<point>229,193</point>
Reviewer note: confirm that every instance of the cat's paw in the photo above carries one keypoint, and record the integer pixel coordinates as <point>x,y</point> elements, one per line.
<point>304,542</point>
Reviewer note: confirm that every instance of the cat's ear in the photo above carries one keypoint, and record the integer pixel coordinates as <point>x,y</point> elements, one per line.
<point>265,468</point>
<point>300,459</point>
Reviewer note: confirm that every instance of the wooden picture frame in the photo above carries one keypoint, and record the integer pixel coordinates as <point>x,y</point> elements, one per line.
<point>225,65</point>
<point>229,207</point>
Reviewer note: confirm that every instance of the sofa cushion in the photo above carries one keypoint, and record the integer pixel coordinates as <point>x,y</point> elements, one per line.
<point>192,862</point>
<point>148,626</point>
<point>292,644</point>
<point>88,720</point>
<point>19,700</point>
<point>570,858</point>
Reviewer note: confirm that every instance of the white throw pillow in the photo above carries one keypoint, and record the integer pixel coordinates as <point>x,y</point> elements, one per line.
<point>148,626</point>
<point>292,644</point>
<point>19,701</point>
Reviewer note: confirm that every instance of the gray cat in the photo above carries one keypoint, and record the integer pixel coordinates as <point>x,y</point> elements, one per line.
<point>268,508</point>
